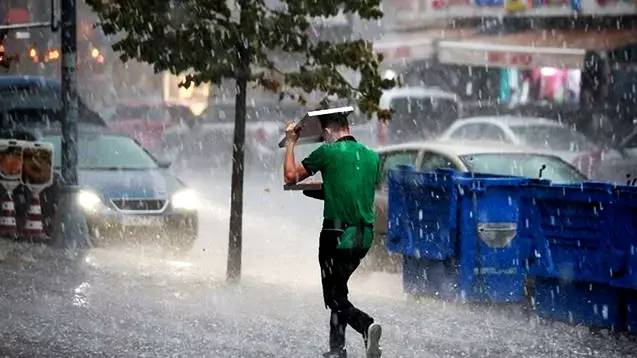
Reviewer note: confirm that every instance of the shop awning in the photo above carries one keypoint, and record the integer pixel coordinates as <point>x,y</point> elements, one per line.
<point>419,45</point>
<point>533,48</point>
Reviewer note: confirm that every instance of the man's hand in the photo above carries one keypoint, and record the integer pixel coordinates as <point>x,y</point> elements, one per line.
<point>291,133</point>
<point>292,172</point>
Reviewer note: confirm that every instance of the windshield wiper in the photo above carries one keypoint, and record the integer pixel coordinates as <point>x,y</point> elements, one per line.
<point>101,168</point>
<point>116,168</point>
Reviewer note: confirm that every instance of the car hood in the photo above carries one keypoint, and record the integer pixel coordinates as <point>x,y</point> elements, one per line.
<point>138,184</point>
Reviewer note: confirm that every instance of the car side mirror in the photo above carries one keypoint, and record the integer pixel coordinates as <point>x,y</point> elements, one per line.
<point>164,164</point>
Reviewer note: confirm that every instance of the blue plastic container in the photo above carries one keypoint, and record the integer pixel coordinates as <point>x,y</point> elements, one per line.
<point>492,254</point>
<point>421,213</point>
<point>459,228</point>
<point>624,235</point>
<point>630,301</point>
<point>589,304</point>
<point>570,227</point>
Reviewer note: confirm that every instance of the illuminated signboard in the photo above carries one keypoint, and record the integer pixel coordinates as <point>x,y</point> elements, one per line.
<point>406,14</point>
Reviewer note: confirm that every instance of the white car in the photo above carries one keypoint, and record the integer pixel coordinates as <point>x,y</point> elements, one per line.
<point>539,133</point>
<point>479,157</point>
<point>418,113</point>
<point>621,169</point>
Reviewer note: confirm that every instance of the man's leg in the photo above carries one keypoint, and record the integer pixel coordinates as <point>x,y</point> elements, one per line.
<point>337,266</point>
<point>338,322</point>
<point>343,264</point>
<point>347,262</point>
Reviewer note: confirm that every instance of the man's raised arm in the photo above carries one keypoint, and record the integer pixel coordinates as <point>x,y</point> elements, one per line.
<point>293,172</point>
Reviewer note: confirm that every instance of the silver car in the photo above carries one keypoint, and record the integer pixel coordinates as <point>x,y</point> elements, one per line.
<point>480,157</point>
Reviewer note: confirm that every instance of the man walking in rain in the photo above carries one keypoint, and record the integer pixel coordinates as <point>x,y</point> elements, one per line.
<point>350,172</point>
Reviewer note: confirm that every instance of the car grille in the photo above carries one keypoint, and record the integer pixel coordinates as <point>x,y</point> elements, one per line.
<point>139,204</point>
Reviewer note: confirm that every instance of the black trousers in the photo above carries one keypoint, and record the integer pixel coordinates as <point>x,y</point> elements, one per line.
<point>337,265</point>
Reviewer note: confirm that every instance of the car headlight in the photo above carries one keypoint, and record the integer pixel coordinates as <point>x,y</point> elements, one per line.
<point>89,200</point>
<point>186,199</point>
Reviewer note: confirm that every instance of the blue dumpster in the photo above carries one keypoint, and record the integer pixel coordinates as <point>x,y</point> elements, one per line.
<point>624,235</point>
<point>570,228</point>
<point>630,309</point>
<point>422,213</point>
<point>580,235</point>
<point>580,303</point>
<point>457,233</point>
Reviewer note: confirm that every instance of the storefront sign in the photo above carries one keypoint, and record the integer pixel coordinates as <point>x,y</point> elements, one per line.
<point>482,54</point>
<point>405,48</point>
<point>408,14</point>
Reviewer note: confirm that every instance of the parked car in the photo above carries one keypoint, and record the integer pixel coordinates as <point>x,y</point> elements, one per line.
<point>147,120</point>
<point>31,102</point>
<point>620,169</point>
<point>419,113</point>
<point>126,193</point>
<point>209,141</point>
<point>480,157</point>
<point>543,134</point>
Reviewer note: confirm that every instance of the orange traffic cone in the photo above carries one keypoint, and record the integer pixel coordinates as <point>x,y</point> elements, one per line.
<point>8,226</point>
<point>34,228</point>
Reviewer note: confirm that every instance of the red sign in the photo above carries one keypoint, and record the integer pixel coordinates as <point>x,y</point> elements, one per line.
<point>443,4</point>
<point>509,58</point>
<point>402,52</point>
<point>17,16</point>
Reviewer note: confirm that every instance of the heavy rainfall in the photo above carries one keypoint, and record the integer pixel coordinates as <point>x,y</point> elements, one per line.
<point>146,212</point>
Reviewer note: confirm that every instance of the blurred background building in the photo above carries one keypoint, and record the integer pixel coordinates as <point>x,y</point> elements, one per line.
<point>567,59</point>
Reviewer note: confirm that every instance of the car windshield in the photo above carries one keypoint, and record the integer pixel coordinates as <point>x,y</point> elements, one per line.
<point>106,152</point>
<point>524,165</point>
<point>553,137</point>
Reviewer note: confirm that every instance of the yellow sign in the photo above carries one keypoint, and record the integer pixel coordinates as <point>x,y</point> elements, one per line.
<point>514,5</point>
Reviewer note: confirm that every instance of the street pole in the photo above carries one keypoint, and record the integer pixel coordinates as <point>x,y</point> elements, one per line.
<point>70,230</point>
<point>69,92</point>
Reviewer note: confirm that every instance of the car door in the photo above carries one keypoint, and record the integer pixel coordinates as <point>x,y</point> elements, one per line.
<point>389,160</point>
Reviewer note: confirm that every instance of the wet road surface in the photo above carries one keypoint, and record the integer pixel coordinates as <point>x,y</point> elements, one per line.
<point>144,302</point>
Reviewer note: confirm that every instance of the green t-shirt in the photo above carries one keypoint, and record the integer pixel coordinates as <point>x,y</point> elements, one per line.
<point>350,173</point>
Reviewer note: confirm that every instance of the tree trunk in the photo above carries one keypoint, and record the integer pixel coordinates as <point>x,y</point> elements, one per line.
<point>69,92</point>
<point>233,273</point>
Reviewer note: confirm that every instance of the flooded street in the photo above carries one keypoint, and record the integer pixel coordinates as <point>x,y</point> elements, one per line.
<point>122,301</point>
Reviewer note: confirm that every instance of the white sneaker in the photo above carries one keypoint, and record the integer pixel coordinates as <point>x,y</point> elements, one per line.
<point>373,341</point>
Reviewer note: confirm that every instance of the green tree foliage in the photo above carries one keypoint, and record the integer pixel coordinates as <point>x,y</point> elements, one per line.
<point>214,40</point>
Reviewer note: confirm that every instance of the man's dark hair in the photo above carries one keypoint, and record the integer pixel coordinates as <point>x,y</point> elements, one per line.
<point>334,120</point>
